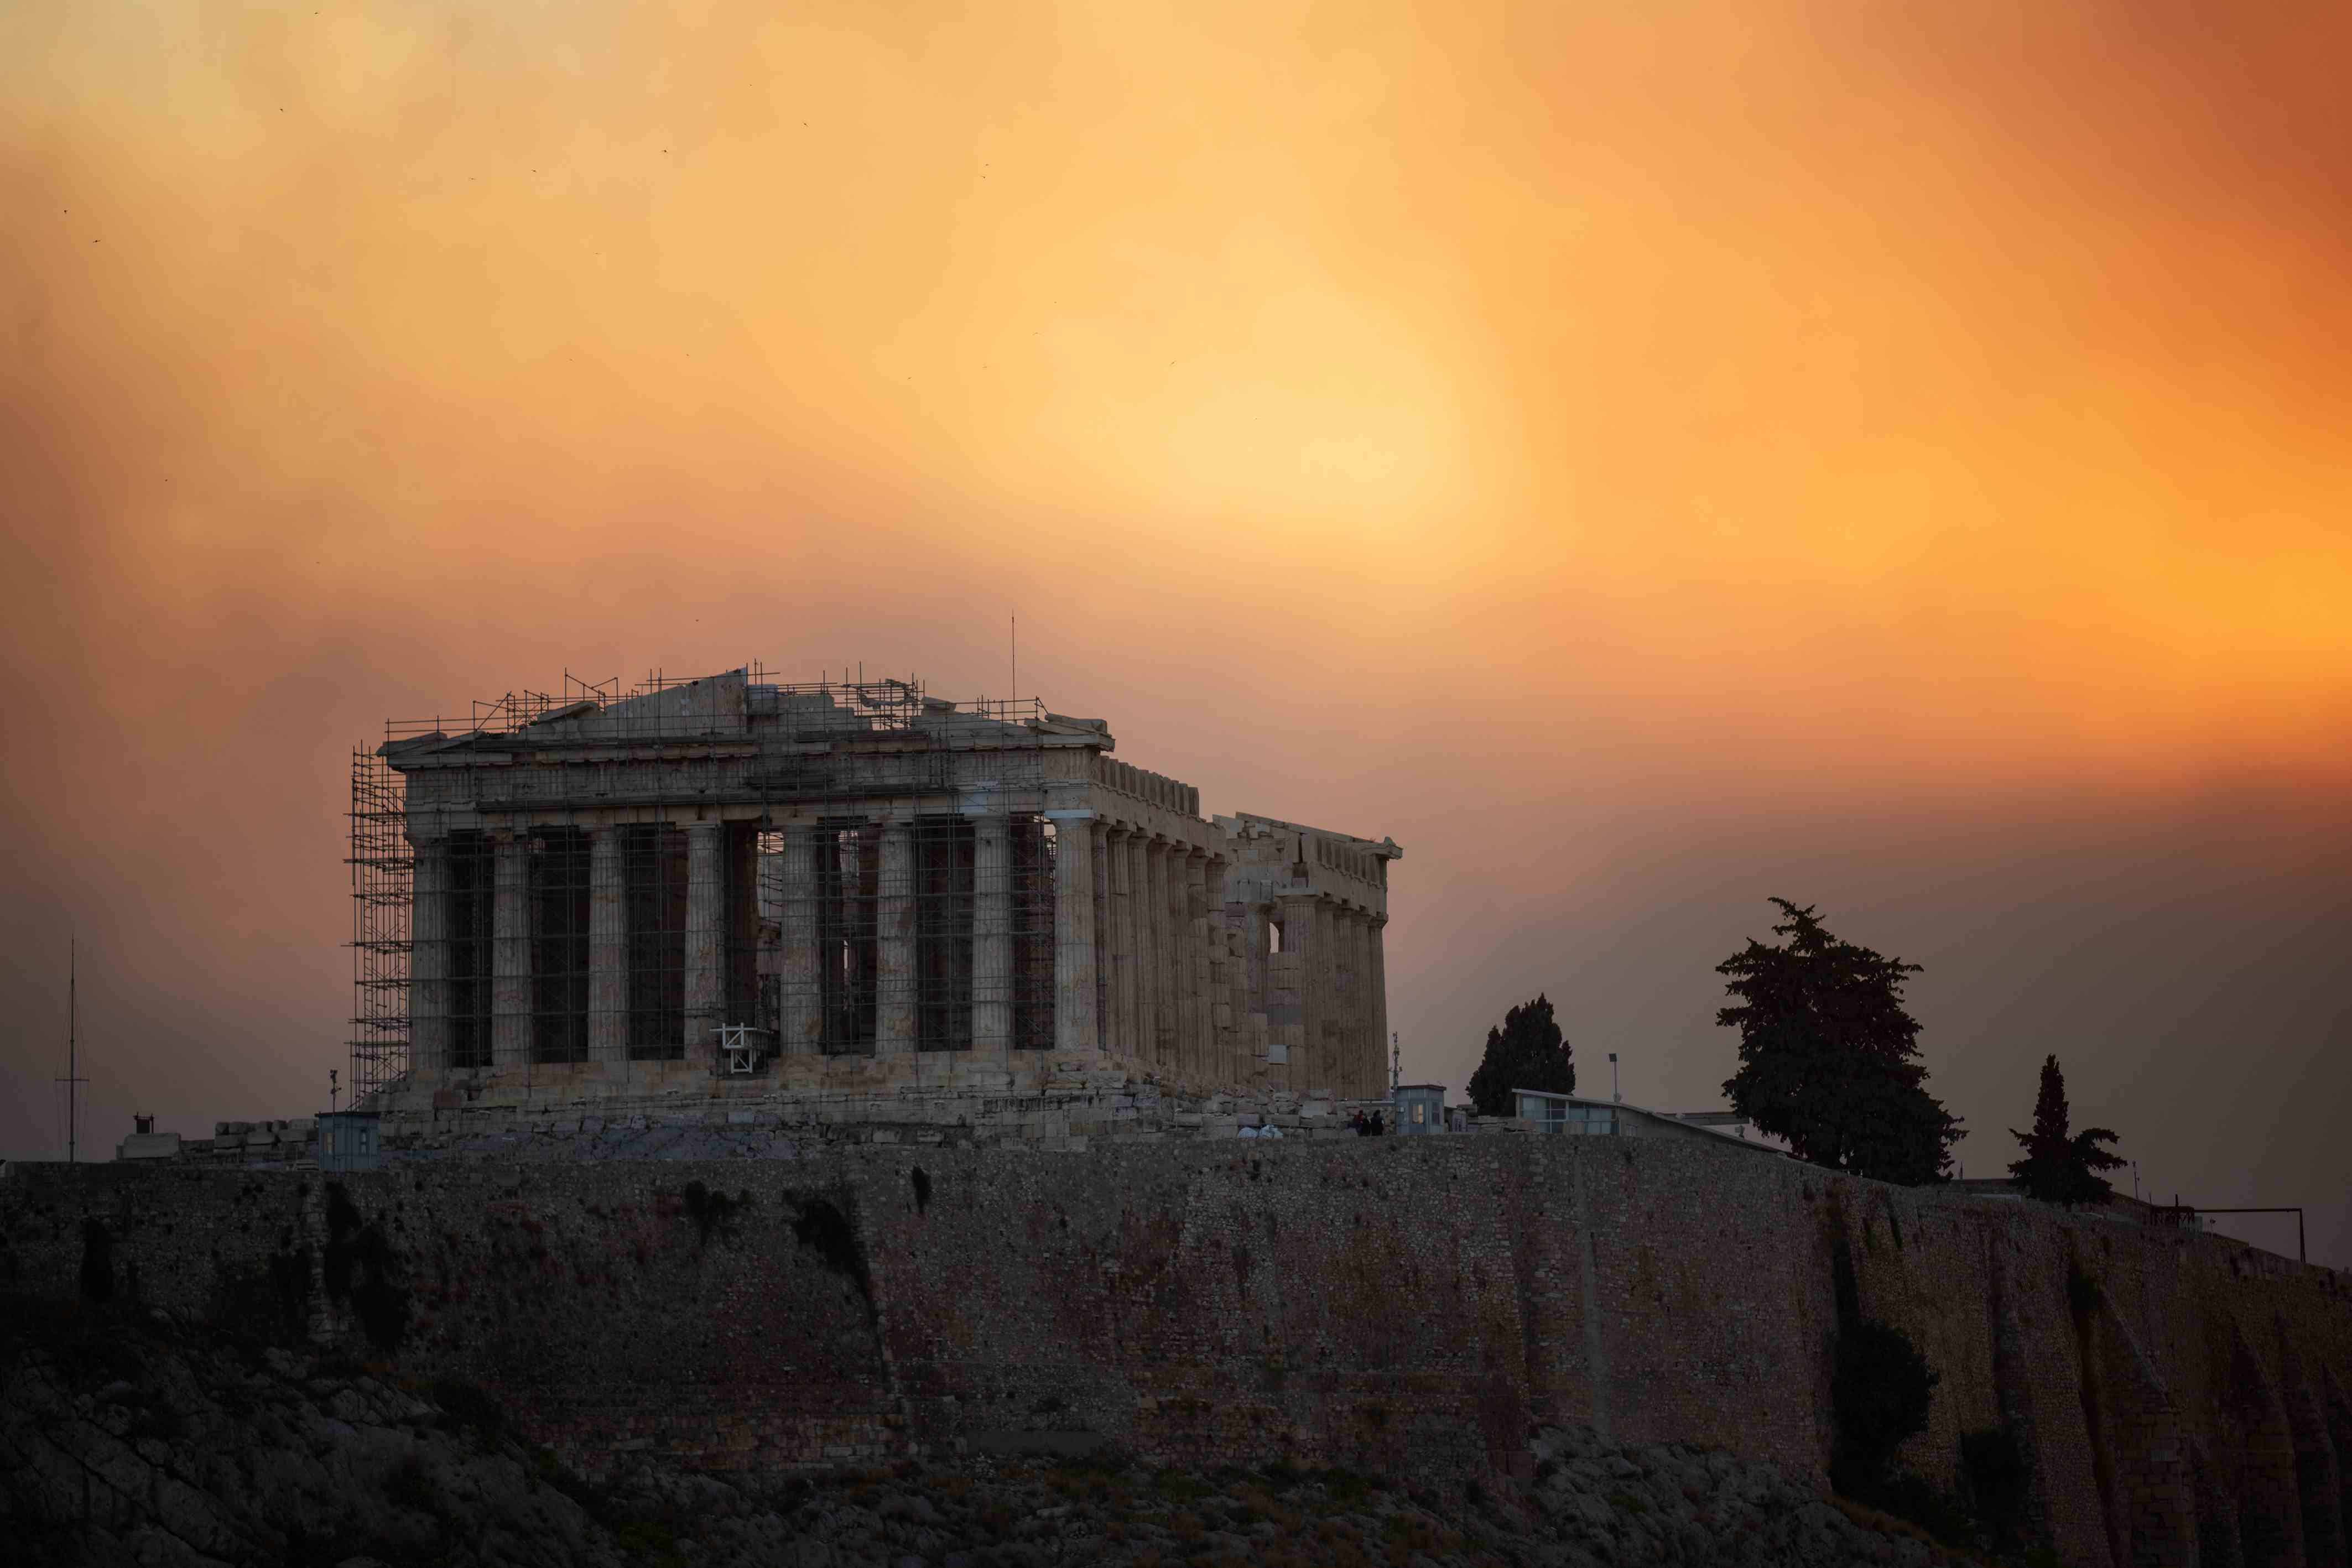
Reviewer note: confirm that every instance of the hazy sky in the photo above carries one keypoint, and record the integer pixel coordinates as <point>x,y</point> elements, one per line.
<point>1646,457</point>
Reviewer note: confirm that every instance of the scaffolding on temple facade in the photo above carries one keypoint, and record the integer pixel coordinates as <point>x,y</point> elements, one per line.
<point>541,907</point>
<point>381,870</point>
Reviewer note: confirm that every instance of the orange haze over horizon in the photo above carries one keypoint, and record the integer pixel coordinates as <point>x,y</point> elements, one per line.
<point>1646,457</point>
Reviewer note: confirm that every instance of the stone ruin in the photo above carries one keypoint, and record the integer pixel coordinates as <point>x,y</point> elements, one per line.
<point>732,899</point>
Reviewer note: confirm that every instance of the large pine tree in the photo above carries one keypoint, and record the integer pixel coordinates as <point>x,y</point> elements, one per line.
<point>2060,1167</point>
<point>1528,1053</point>
<point>1828,1058</point>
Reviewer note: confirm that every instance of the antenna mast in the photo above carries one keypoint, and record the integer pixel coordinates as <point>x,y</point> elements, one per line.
<point>1396,1065</point>
<point>73,1077</point>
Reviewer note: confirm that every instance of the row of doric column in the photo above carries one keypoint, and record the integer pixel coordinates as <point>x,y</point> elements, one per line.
<point>1146,961</point>
<point>514,1003</point>
<point>1160,952</point>
<point>897,990</point>
<point>1077,1020</point>
<point>492,1024</point>
<point>1329,1001</point>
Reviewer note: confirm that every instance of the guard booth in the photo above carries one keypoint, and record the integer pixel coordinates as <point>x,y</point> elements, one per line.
<point>349,1141</point>
<point>1420,1107</point>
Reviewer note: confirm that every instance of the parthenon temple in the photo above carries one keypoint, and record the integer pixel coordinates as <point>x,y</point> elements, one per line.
<point>845,886</point>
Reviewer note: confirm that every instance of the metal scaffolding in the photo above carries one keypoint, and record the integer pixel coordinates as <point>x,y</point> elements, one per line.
<point>832,932</point>
<point>383,886</point>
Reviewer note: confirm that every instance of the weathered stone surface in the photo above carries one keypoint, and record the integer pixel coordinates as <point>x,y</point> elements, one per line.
<point>1392,1305</point>
<point>128,1439</point>
<point>196,1451</point>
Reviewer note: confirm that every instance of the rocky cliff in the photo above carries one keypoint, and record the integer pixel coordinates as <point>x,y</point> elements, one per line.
<point>1384,1306</point>
<point>126,1437</point>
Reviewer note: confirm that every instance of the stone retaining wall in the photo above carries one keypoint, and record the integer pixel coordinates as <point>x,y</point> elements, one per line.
<point>1390,1304</point>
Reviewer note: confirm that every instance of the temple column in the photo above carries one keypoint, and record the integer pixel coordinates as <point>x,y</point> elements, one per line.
<point>1227,1053</point>
<point>1298,937</point>
<point>1313,1000</point>
<point>739,943</point>
<point>992,933</point>
<point>510,950</point>
<point>1250,985</point>
<point>1076,1026</point>
<point>1163,959</point>
<point>706,930</point>
<point>1351,999</point>
<point>1118,959</point>
<point>428,956</point>
<point>1344,1002</point>
<point>1180,942</point>
<point>1141,933</point>
<point>1199,1027</point>
<point>894,960</point>
<point>1375,931</point>
<point>800,1005</point>
<point>1098,860</point>
<point>1338,993</point>
<point>608,948</point>
<point>1361,1077</point>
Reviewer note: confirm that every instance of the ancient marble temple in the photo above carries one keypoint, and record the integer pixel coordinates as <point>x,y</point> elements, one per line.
<point>857,886</point>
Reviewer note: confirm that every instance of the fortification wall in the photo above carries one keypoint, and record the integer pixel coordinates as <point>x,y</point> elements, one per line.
<point>1388,1304</point>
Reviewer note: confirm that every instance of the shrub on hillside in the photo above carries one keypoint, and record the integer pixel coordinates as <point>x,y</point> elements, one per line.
<point>1879,1388</point>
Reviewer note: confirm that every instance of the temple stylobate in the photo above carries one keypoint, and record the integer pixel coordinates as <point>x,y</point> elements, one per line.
<point>857,886</point>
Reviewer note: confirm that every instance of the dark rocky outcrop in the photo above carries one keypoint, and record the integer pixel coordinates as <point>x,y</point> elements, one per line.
<point>128,1439</point>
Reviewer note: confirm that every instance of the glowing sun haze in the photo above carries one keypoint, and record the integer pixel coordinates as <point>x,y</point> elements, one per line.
<point>1645,456</point>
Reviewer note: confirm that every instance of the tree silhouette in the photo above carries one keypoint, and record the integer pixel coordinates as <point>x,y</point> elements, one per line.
<point>1528,1053</point>
<point>1828,1056</point>
<point>2059,1167</point>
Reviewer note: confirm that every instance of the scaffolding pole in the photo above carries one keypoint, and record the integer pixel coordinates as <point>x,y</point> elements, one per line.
<point>383,885</point>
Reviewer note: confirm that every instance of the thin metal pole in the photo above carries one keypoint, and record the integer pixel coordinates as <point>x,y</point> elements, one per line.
<point>73,1070</point>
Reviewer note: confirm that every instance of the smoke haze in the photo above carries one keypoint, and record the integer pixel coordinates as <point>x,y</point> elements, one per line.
<point>1645,457</point>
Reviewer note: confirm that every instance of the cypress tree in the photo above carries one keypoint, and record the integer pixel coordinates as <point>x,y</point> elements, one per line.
<point>1528,1052</point>
<point>1828,1056</point>
<point>2060,1167</point>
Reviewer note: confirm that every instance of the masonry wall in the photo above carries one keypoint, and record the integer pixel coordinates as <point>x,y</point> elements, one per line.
<point>1388,1304</point>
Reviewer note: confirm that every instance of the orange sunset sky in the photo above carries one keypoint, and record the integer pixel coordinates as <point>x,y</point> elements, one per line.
<point>1645,457</point>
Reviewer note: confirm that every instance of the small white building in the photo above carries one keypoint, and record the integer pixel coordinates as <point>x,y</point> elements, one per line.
<point>1573,1114</point>
<point>146,1144</point>
<point>1420,1107</point>
<point>349,1141</point>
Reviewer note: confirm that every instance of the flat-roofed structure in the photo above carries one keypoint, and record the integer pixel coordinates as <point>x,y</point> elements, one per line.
<point>849,887</point>
<point>1577,1116</point>
<point>1420,1108</point>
